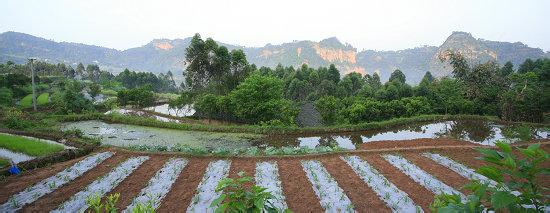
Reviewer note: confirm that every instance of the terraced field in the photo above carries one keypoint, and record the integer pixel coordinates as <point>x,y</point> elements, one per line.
<point>379,180</point>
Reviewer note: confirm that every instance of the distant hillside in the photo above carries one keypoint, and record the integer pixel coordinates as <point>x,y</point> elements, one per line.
<point>161,55</point>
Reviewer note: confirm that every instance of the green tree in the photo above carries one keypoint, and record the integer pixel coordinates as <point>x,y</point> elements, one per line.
<point>507,69</point>
<point>523,101</point>
<point>260,98</point>
<point>398,76</point>
<point>6,96</point>
<point>328,107</point>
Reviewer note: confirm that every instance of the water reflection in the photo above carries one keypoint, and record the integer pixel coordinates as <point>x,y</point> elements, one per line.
<point>185,111</point>
<point>474,131</point>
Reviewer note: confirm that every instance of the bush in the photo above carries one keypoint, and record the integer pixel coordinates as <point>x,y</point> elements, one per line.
<point>141,96</point>
<point>516,183</point>
<point>238,198</point>
<point>14,118</point>
<point>6,97</point>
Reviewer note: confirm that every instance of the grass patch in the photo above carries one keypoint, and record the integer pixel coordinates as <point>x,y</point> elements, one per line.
<point>42,99</point>
<point>28,146</point>
<point>4,162</point>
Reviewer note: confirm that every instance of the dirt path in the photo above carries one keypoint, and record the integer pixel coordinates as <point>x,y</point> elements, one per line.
<point>420,195</point>
<point>360,194</point>
<point>440,172</point>
<point>54,199</point>
<point>15,184</point>
<point>298,191</point>
<point>132,185</point>
<point>185,187</point>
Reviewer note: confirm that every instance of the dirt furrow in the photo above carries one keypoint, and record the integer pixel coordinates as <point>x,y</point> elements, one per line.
<point>132,185</point>
<point>364,199</point>
<point>440,172</point>
<point>53,200</point>
<point>15,184</point>
<point>185,186</point>
<point>420,195</point>
<point>298,191</point>
<point>248,166</point>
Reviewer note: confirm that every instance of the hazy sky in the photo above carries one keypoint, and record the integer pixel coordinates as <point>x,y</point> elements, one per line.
<point>381,25</point>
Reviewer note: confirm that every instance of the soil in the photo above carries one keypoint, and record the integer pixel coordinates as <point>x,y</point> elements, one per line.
<point>360,194</point>
<point>440,172</point>
<point>185,186</point>
<point>416,143</point>
<point>132,185</point>
<point>248,166</point>
<point>14,184</point>
<point>54,199</point>
<point>297,189</point>
<point>420,195</point>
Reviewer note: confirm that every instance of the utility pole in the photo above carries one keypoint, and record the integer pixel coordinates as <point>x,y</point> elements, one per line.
<point>31,60</point>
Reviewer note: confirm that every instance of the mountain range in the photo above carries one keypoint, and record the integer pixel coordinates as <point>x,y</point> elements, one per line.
<point>161,55</point>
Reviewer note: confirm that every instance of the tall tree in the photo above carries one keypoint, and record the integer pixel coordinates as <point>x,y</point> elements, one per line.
<point>397,75</point>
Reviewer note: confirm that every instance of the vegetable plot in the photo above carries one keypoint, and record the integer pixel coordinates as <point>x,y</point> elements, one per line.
<point>394,198</point>
<point>46,186</point>
<point>267,176</point>
<point>420,176</point>
<point>102,185</point>
<point>157,187</point>
<point>331,196</point>
<point>206,191</point>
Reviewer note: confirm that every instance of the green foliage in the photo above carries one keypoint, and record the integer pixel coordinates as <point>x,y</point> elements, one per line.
<point>328,108</point>
<point>512,174</point>
<point>522,102</point>
<point>69,100</point>
<point>141,96</point>
<point>161,83</point>
<point>108,206</point>
<point>14,118</point>
<point>236,197</point>
<point>144,208</point>
<point>6,97</point>
<point>28,146</point>
<point>95,89</point>
<point>398,76</point>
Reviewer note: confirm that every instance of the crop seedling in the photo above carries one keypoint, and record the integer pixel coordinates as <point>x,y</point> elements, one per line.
<point>236,197</point>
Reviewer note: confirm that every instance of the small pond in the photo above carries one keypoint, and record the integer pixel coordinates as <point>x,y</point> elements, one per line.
<point>186,111</point>
<point>131,135</point>
<point>473,131</point>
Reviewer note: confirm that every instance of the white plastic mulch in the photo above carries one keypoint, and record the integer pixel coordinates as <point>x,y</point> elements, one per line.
<point>267,176</point>
<point>420,176</point>
<point>50,184</point>
<point>394,198</point>
<point>459,168</point>
<point>331,196</point>
<point>160,184</point>
<point>206,191</point>
<point>102,185</point>
<point>16,157</point>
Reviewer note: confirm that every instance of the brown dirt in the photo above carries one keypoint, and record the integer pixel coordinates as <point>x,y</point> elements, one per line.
<point>420,195</point>
<point>185,186</point>
<point>15,184</point>
<point>467,157</point>
<point>298,191</point>
<point>440,172</point>
<point>248,166</point>
<point>132,185</point>
<point>416,143</point>
<point>364,199</point>
<point>54,199</point>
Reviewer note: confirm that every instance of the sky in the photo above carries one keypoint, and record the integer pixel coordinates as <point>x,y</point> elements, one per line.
<point>366,24</point>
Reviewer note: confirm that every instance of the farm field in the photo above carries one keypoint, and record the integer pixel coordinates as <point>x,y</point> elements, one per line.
<point>381,179</point>
<point>28,146</point>
<point>40,100</point>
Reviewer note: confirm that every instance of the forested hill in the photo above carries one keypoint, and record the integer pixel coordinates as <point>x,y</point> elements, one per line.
<point>161,55</point>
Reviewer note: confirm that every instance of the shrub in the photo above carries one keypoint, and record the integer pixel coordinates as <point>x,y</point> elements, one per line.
<point>516,183</point>
<point>6,97</point>
<point>141,96</point>
<point>237,197</point>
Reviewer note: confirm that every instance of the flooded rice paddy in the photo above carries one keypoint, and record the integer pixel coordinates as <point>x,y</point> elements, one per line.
<point>470,131</point>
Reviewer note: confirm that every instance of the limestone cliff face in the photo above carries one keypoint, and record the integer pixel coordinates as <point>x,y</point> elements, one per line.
<point>161,55</point>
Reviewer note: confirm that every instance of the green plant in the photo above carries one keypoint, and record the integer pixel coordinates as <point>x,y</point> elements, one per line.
<point>94,202</point>
<point>515,187</point>
<point>108,206</point>
<point>237,197</point>
<point>144,207</point>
